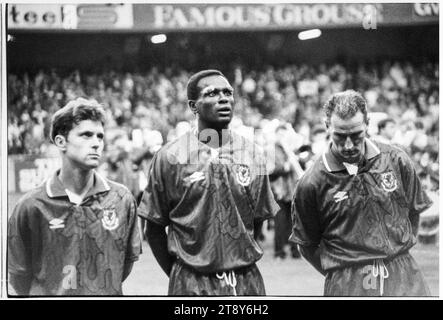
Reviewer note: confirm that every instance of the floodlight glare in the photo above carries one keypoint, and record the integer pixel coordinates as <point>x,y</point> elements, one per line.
<point>158,38</point>
<point>309,34</point>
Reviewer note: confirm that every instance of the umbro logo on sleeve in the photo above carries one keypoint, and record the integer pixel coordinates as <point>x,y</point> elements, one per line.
<point>56,224</point>
<point>196,176</point>
<point>340,196</point>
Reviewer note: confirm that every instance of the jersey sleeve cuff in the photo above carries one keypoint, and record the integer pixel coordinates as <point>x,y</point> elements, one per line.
<point>132,258</point>
<point>156,220</point>
<point>425,206</point>
<point>301,242</point>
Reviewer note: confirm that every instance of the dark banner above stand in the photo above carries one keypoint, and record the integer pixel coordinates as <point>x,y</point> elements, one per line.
<point>216,17</point>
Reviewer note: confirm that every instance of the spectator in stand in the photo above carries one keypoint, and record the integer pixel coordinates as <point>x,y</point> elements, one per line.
<point>155,99</point>
<point>319,139</point>
<point>283,179</point>
<point>120,167</point>
<point>386,131</point>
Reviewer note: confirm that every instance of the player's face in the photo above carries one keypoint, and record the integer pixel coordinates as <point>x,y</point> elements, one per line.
<point>348,137</point>
<point>215,103</point>
<point>84,144</point>
<point>389,130</point>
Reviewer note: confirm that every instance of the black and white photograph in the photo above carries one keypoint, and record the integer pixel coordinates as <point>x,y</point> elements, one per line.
<point>285,150</point>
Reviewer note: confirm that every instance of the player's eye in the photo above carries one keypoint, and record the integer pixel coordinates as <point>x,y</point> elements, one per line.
<point>339,136</point>
<point>357,136</point>
<point>228,92</point>
<point>212,93</point>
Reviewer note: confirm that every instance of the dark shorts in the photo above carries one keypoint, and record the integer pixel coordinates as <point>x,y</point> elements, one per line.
<point>185,281</point>
<point>397,277</point>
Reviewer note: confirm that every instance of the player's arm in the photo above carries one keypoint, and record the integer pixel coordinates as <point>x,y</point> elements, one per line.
<point>20,283</point>
<point>20,250</point>
<point>306,230</point>
<point>293,160</point>
<point>415,223</point>
<point>157,239</point>
<point>127,269</point>
<point>134,247</point>
<point>312,255</point>
<point>155,210</point>
<point>414,191</point>
<point>281,166</point>
<point>261,193</point>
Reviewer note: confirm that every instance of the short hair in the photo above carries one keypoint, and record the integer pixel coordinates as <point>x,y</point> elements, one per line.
<point>345,104</point>
<point>281,127</point>
<point>192,86</point>
<point>419,124</point>
<point>319,128</point>
<point>72,113</point>
<point>382,124</point>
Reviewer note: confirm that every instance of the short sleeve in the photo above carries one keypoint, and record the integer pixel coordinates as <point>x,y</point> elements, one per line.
<point>418,200</point>
<point>279,163</point>
<point>134,246</point>
<point>305,217</point>
<point>265,205</point>
<point>19,241</point>
<point>154,204</point>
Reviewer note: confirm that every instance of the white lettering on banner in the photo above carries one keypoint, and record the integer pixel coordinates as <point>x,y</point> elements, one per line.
<point>198,16</point>
<point>263,16</point>
<point>162,14</point>
<point>209,15</point>
<point>99,16</point>
<point>125,16</point>
<point>224,16</point>
<point>89,14</point>
<point>321,14</point>
<point>31,178</point>
<point>351,13</point>
<point>426,9</point>
<point>370,17</point>
<point>335,17</point>
<point>69,16</point>
<point>69,13</point>
<point>180,18</point>
<point>283,15</point>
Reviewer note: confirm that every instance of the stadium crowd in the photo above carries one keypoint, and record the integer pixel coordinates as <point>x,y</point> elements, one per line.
<point>150,108</point>
<point>147,109</point>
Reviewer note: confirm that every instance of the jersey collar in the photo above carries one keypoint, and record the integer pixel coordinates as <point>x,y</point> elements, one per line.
<point>332,164</point>
<point>55,188</point>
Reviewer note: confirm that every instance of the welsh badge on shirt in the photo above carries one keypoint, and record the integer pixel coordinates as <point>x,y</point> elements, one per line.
<point>388,181</point>
<point>109,220</point>
<point>243,174</point>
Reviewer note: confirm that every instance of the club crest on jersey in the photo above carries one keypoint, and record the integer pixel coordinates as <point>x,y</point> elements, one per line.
<point>243,174</point>
<point>110,220</point>
<point>388,181</point>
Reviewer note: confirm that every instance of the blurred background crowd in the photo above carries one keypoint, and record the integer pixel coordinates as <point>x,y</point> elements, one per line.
<point>147,109</point>
<point>106,52</point>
